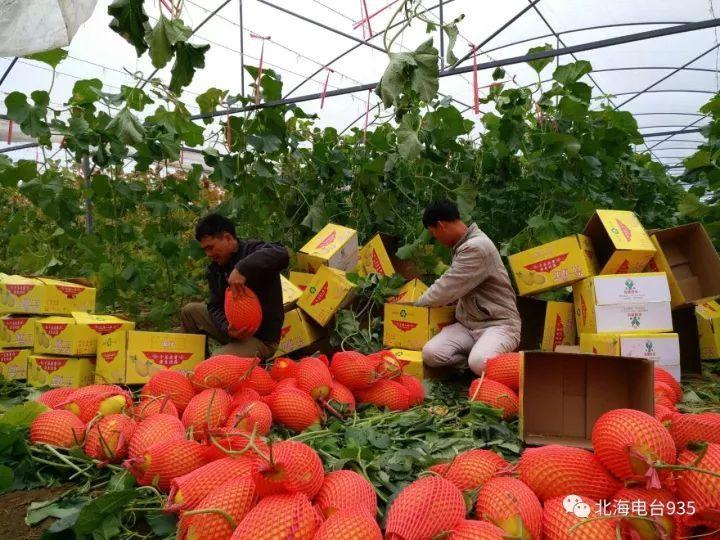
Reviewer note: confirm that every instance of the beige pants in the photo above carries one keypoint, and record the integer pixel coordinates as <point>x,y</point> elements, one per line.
<point>457,346</point>
<point>196,319</point>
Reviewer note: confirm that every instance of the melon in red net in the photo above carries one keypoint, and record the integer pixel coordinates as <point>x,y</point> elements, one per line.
<point>243,311</point>
<point>496,395</point>
<point>575,518</point>
<point>511,505</point>
<point>505,368</point>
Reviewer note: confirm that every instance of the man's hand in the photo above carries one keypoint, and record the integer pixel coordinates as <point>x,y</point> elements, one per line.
<point>237,333</point>
<point>236,282</point>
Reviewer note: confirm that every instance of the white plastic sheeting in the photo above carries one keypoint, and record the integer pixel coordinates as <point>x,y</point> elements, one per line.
<point>30,26</point>
<point>298,48</point>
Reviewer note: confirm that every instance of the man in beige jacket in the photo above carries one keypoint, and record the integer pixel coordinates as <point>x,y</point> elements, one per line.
<point>487,318</point>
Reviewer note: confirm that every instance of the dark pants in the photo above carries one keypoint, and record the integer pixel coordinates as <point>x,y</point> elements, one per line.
<point>196,319</point>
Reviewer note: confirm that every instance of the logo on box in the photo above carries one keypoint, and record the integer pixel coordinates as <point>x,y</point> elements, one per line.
<point>19,290</point>
<point>167,359</point>
<point>51,364</point>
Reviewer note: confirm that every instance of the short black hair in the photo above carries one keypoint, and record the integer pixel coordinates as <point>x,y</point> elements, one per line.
<point>214,225</point>
<point>440,210</point>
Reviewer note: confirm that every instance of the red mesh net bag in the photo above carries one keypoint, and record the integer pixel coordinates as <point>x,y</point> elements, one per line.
<point>626,441</point>
<point>283,368</point>
<point>662,375</point>
<point>496,395</point>
<point>471,469</point>
<point>235,498</point>
<point>86,402</point>
<point>260,381</point>
<point>688,428</point>
<point>414,387</point>
<point>293,467</point>
<point>353,369</point>
<point>164,461</point>
<point>154,429</point>
<point>243,311</point>
<point>424,509</point>
<point>254,415</point>
<point>560,524</point>
<point>349,525</point>
<point>53,398</point>
<point>341,395</point>
<point>346,490</point>
<point>233,442</point>
<point>554,471</point>
<point>148,406</point>
<point>700,487</point>
<point>386,393</point>
<point>188,490</point>
<point>280,516</point>
<point>470,529</point>
<point>172,384</point>
<point>57,428</point>
<point>206,411</point>
<point>294,409</point>
<point>108,438</point>
<point>511,505</point>
<point>313,377</point>
<point>505,368</point>
<point>222,371</point>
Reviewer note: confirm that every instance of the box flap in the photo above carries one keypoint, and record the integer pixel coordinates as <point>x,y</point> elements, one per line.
<point>329,240</point>
<point>625,230</point>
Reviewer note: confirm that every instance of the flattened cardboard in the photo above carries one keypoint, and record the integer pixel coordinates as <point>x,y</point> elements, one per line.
<point>563,395</point>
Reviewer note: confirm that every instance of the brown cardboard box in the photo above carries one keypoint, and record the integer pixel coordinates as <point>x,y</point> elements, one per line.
<point>563,395</point>
<point>688,256</point>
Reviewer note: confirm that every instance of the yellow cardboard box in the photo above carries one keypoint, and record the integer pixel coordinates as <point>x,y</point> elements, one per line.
<point>328,292</point>
<point>13,363</point>
<point>559,326</point>
<point>290,293</point>
<point>17,331</point>
<point>414,365</point>
<point>301,279</point>
<point>375,259</point>
<point>297,332</point>
<point>409,293</point>
<point>622,246</point>
<point>334,246</point>
<point>76,335</point>
<point>410,327</point>
<point>553,265</point>
<point>623,303</point>
<point>55,371</point>
<point>45,296</point>
<point>135,356</point>
<point>708,320</point>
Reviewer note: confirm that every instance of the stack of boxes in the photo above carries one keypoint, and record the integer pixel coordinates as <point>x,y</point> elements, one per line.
<point>618,310</point>
<point>406,327</point>
<point>26,354</point>
<point>48,336</point>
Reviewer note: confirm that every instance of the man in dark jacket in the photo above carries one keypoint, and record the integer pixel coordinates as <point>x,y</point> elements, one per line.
<point>237,264</point>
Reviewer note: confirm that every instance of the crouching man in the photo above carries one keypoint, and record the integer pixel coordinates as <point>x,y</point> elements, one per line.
<point>487,318</point>
<point>237,263</point>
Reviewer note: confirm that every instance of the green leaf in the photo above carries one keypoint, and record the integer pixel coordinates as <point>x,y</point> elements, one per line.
<point>17,107</point>
<point>452,31</point>
<point>699,159</point>
<point>163,37</point>
<point>135,98</point>
<point>466,198</point>
<point>570,73</point>
<point>86,92</point>
<point>188,58</point>
<point>22,415</point>
<point>127,127</point>
<point>58,508</point>
<point>409,146</point>
<point>417,71</point>
<point>572,108</point>
<point>162,524</point>
<point>7,478</point>
<point>539,64</point>
<point>94,513</point>
<point>52,57</point>
<point>23,169</point>
<point>498,73</point>
<point>209,100</point>
<point>130,21</point>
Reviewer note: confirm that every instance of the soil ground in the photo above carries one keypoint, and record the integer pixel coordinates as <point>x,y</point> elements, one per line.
<point>13,507</point>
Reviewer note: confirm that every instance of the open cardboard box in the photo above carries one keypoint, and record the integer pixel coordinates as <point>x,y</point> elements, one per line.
<point>621,244</point>
<point>546,325</point>
<point>688,256</point>
<point>562,395</point>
